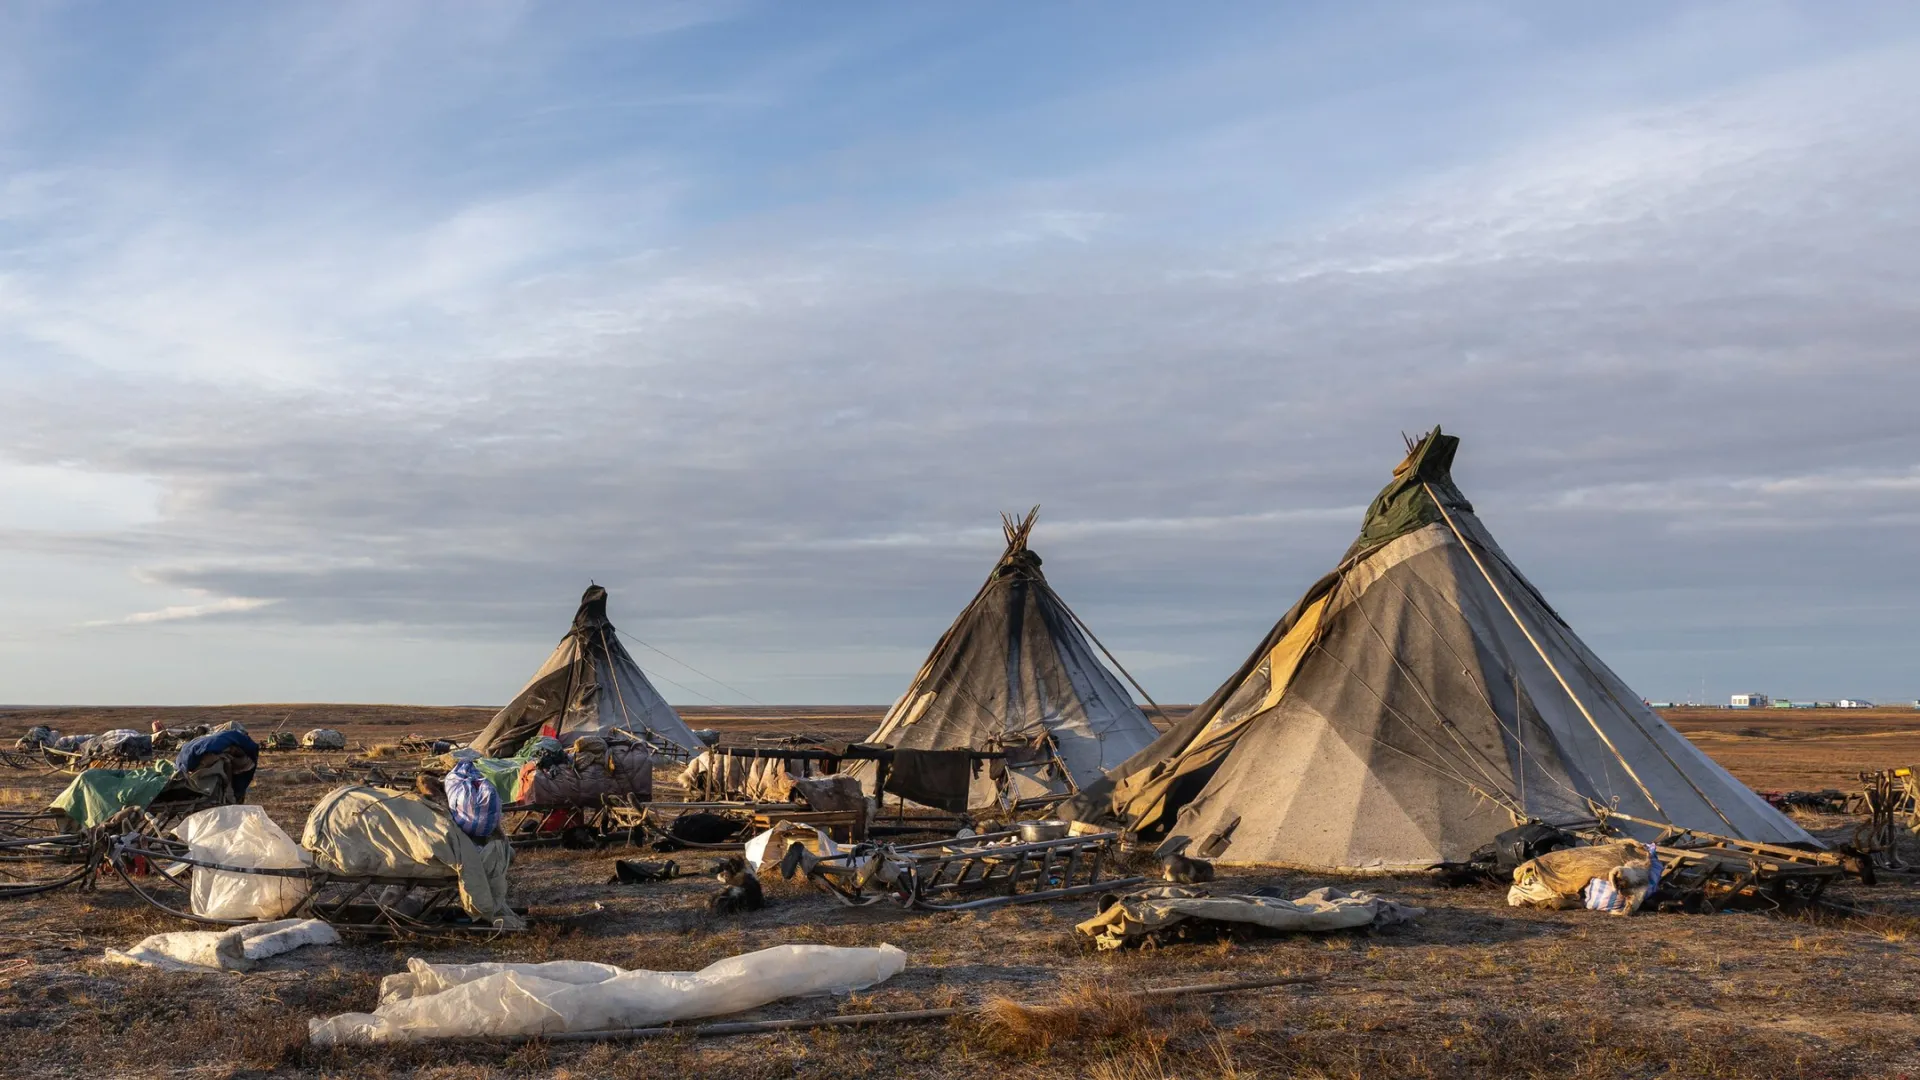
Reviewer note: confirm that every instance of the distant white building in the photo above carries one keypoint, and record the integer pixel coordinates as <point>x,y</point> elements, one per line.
<point>1852,703</point>
<point>1750,701</point>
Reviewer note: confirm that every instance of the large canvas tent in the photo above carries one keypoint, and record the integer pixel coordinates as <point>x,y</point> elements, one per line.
<point>1417,701</point>
<point>590,685</point>
<point>1017,669</point>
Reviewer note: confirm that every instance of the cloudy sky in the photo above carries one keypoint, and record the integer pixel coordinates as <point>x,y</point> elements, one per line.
<point>342,344</point>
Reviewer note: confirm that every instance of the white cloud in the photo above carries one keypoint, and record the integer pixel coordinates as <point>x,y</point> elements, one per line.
<point>444,411</point>
<point>227,606</point>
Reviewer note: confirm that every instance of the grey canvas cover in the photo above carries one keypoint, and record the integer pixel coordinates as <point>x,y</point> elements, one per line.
<point>590,685</point>
<point>1417,701</point>
<point>1016,669</point>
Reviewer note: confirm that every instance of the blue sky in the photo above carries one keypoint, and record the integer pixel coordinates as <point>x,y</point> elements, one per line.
<point>344,342</point>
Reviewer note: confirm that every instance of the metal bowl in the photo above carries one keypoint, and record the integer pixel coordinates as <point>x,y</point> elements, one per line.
<point>1033,832</point>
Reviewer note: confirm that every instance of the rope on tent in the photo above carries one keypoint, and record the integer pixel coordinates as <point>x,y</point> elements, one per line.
<point>1544,658</point>
<point>697,671</point>
<point>792,727</point>
<point>620,695</point>
<point>1488,770</point>
<point>1453,771</point>
<point>1518,730</point>
<point>1622,706</point>
<point>1503,798</point>
<point>1104,651</point>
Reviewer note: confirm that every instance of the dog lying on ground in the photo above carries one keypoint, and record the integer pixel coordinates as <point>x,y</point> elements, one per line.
<point>1181,870</point>
<point>741,891</point>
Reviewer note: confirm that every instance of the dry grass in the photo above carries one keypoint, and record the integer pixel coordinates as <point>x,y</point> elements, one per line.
<point>21,798</point>
<point>1474,989</point>
<point>1089,1011</point>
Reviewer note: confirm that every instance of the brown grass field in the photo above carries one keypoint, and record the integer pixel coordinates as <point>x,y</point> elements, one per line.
<point>1473,989</point>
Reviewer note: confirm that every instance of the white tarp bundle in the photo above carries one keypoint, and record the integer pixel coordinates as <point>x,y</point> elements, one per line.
<point>229,950</point>
<point>242,836</point>
<point>442,1001</point>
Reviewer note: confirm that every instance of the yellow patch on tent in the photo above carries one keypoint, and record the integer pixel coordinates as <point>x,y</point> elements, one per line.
<point>919,707</point>
<point>1285,657</point>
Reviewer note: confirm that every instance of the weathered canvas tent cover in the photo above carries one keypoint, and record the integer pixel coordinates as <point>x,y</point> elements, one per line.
<point>1418,700</point>
<point>589,686</point>
<point>1016,668</point>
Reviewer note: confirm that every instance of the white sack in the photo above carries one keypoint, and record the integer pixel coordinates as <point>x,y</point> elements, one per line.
<point>440,1001</point>
<point>242,836</point>
<point>228,950</point>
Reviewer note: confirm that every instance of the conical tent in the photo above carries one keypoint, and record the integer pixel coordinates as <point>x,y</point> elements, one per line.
<point>589,686</point>
<point>1017,669</point>
<point>1417,701</point>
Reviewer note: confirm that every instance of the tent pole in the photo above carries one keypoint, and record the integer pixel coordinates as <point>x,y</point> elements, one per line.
<point>1114,660</point>
<point>1531,640</point>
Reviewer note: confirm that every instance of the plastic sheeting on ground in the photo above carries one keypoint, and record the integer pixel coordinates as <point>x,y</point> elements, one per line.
<point>440,1001</point>
<point>242,836</point>
<point>98,794</point>
<point>237,949</point>
<point>323,739</point>
<point>362,831</point>
<point>1150,911</point>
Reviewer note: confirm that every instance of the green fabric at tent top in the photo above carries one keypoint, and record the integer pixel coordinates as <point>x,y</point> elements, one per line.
<point>1407,503</point>
<point>98,794</point>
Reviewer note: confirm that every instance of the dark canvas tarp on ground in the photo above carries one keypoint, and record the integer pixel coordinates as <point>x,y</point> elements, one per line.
<point>1017,669</point>
<point>1417,701</point>
<point>589,686</point>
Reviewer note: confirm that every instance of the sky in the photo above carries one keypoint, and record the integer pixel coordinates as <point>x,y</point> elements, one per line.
<point>343,344</point>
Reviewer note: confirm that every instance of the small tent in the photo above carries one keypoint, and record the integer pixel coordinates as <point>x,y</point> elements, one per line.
<point>1017,671</point>
<point>589,686</point>
<point>1418,700</point>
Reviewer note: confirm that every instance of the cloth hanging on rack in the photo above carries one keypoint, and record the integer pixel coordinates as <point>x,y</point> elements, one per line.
<point>936,778</point>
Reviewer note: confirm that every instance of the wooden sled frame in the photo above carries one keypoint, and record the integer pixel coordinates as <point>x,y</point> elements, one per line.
<point>38,854</point>
<point>1726,870</point>
<point>929,876</point>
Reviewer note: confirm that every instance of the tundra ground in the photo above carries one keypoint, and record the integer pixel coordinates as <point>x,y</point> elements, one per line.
<point>1472,989</point>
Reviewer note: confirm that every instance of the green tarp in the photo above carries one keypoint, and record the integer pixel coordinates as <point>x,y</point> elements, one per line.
<point>98,794</point>
<point>504,773</point>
